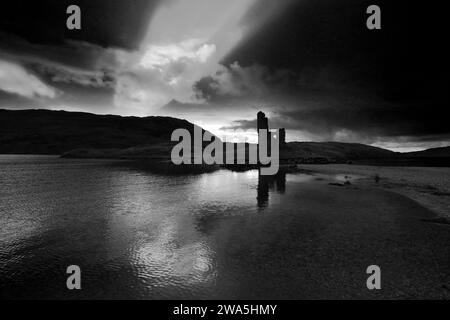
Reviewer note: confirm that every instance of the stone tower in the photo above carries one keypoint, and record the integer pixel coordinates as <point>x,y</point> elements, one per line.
<point>262,124</point>
<point>282,136</point>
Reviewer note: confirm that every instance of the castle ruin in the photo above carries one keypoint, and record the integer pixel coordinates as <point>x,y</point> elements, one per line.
<point>263,124</point>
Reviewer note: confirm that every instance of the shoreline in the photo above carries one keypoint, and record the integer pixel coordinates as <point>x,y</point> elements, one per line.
<point>424,185</point>
<point>427,186</point>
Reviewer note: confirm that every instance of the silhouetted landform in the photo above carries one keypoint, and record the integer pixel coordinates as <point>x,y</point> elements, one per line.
<point>326,152</point>
<point>443,152</point>
<point>353,153</point>
<point>85,135</point>
<point>435,157</point>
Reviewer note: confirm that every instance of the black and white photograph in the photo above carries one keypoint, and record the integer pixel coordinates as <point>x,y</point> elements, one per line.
<point>238,150</point>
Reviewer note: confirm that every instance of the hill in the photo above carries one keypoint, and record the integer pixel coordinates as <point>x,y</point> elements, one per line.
<point>57,132</point>
<point>443,152</point>
<point>85,135</point>
<point>334,151</point>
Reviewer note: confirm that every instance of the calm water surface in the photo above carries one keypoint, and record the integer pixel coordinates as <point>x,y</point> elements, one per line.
<point>222,235</point>
<point>134,234</point>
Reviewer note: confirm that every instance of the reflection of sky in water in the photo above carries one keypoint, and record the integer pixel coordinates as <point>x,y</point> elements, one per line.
<point>165,246</point>
<point>148,232</point>
<point>169,242</point>
<point>346,177</point>
<point>299,177</point>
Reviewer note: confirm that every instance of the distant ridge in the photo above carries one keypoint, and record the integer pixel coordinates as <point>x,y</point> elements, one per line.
<point>86,135</point>
<point>335,150</point>
<point>57,132</point>
<point>433,152</point>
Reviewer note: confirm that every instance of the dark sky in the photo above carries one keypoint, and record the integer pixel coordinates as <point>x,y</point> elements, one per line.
<point>390,83</point>
<point>312,65</point>
<point>108,23</point>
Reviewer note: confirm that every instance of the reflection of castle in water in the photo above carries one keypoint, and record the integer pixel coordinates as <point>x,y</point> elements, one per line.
<point>275,183</point>
<point>266,183</point>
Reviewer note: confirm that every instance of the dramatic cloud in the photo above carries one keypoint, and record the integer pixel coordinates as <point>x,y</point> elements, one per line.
<point>235,81</point>
<point>161,56</point>
<point>148,79</point>
<point>15,79</point>
<point>67,75</point>
<point>34,36</point>
<point>178,50</point>
<point>106,23</point>
<point>312,66</point>
<point>72,68</point>
<point>339,81</point>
